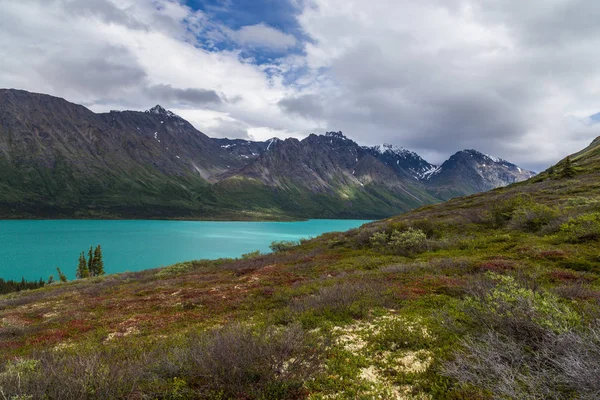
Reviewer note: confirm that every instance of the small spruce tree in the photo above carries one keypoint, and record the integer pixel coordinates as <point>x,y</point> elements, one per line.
<point>91,261</point>
<point>62,277</point>
<point>568,170</point>
<point>82,269</point>
<point>50,279</point>
<point>98,262</point>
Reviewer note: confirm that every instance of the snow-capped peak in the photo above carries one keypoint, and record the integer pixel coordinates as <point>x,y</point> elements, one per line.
<point>386,147</point>
<point>159,110</point>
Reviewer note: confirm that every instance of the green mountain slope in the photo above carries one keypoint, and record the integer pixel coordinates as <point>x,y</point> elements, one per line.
<point>495,295</point>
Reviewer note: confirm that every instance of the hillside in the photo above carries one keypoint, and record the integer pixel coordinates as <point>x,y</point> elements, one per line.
<point>495,295</point>
<point>61,160</point>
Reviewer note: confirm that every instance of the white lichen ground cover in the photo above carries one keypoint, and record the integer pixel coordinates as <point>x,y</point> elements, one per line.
<point>371,360</point>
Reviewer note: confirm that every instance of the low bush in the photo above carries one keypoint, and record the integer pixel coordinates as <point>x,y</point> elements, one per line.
<point>234,362</point>
<point>405,242</point>
<point>525,344</point>
<point>564,366</point>
<point>502,212</point>
<point>284,245</point>
<point>499,303</point>
<point>252,254</point>
<point>532,218</point>
<point>243,362</point>
<point>103,374</point>
<point>175,269</point>
<point>341,302</point>
<point>581,229</point>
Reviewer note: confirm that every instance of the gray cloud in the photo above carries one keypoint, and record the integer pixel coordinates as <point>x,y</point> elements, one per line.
<point>504,77</point>
<point>229,129</point>
<point>100,73</point>
<point>307,105</point>
<point>190,97</point>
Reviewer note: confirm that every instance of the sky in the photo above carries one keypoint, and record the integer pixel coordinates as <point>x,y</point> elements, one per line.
<point>511,78</point>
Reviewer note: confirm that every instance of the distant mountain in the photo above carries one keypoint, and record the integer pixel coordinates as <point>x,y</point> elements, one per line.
<point>402,160</point>
<point>331,174</point>
<point>470,171</point>
<point>59,159</point>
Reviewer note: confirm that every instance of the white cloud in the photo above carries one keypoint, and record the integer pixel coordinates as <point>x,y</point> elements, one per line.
<point>263,36</point>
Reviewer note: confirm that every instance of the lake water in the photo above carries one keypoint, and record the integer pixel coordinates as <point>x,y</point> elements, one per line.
<point>33,249</point>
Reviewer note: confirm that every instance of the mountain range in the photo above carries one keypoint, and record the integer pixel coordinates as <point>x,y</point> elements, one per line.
<point>61,160</point>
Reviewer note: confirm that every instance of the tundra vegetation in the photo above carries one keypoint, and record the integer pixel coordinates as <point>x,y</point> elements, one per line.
<point>491,296</point>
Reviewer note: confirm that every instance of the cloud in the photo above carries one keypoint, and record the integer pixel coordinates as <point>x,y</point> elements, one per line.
<point>307,105</point>
<point>190,97</point>
<point>101,9</point>
<point>515,79</point>
<point>263,36</point>
<point>440,76</point>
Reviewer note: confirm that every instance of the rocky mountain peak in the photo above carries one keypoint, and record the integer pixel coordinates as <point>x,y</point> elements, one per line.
<point>336,135</point>
<point>159,110</point>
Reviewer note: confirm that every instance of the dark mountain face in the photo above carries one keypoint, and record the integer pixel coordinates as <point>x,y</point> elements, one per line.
<point>402,160</point>
<point>470,171</point>
<point>243,149</point>
<point>59,159</point>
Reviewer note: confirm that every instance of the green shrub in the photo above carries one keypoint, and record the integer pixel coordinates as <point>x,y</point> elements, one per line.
<point>525,344</point>
<point>410,239</point>
<point>406,242</point>
<point>252,254</point>
<point>175,269</point>
<point>379,240</point>
<point>533,217</point>
<point>503,212</point>
<point>500,303</point>
<point>584,228</point>
<point>283,245</point>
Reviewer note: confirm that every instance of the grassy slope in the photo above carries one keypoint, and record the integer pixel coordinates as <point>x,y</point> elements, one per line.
<point>388,319</point>
<point>160,197</point>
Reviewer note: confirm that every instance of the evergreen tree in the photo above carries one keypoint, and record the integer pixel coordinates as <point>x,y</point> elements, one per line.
<point>98,262</point>
<point>91,261</point>
<point>82,269</point>
<point>62,277</point>
<point>568,169</point>
<point>50,279</point>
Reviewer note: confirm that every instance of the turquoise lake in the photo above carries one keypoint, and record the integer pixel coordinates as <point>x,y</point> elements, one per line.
<point>33,249</point>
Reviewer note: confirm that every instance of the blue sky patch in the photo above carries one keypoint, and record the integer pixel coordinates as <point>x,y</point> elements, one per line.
<point>235,14</point>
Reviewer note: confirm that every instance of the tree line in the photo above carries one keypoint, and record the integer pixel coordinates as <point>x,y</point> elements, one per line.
<point>92,265</point>
<point>9,286</point>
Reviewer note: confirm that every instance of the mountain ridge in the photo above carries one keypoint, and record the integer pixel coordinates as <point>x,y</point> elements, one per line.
<point>62,160</point>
